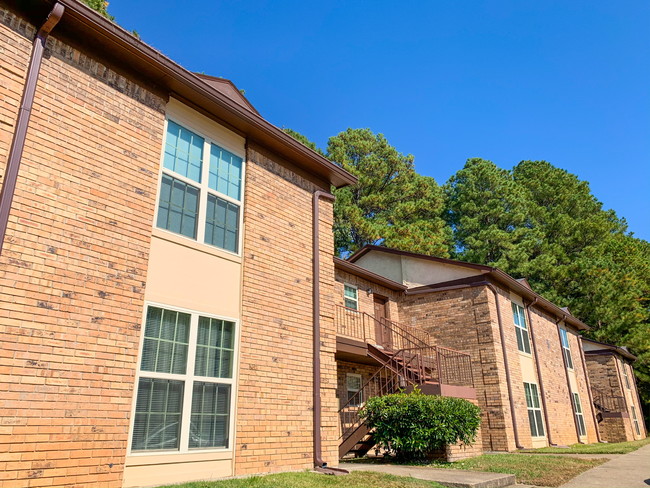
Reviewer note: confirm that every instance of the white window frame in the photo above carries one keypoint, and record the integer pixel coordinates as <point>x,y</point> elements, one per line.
<point>188,378</point>
<point>566,347</point>
<point>582,426</point>
<point>348,390</point>
<point>635,420</point>
<point>355,300</point>
<point>524,331</point>
<point>538,422</point>
<point>626,377</point>
<point>203,186</point>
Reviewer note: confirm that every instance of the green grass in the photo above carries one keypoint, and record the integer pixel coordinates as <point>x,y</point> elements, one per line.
<point>534,470</point>
<point>357,479</point>
<point>615,448</point>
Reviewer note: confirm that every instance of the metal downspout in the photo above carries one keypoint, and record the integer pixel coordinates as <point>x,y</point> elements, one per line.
<point>588,383</point>
<point>26,103</point>
<point>319,464</point>
<point>505,364</point>
<point>539,372</point>
<point>566,374</point>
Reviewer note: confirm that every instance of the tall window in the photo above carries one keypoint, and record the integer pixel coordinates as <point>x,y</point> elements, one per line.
<point>521,328</point>
<point>351,297</point>
<point>184,383</point>
<point>566,348</point>
<point>353,384</point>
<point>200,190</point>
<point>635,420</point>
<point>534,410</point>
<point>580,419</point>
<point>625,376</point>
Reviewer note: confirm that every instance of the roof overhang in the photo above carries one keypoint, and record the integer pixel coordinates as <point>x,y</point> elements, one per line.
<point>85,29</point>
<point>605,348</point>
<point>352,268</point>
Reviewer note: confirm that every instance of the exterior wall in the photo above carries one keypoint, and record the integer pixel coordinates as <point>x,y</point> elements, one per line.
<point>343,368</point>
<point>632,398</point>
<point>74,266</point>
<point>465,320</point>
<point>274,411</point>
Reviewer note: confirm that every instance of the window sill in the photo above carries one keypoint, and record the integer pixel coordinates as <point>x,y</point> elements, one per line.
<point>525,354</point>
<point>197,246</point>
<point>152,458</point>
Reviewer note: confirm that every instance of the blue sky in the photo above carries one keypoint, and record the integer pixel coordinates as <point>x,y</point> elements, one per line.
<point>444,80</point>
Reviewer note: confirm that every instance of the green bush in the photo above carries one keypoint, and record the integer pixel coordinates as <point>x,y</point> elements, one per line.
<point>413,425</point>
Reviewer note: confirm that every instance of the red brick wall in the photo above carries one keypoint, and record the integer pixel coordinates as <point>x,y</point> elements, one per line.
<point>74,264</point>
<point>274,415</point>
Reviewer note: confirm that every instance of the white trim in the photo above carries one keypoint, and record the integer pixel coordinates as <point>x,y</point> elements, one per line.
<point>533,408</point>
<point>356,300</point>
<point>188,378</point>
<point>347,388</point>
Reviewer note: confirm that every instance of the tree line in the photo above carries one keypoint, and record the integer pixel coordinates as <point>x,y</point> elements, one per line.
<point>535,221</point>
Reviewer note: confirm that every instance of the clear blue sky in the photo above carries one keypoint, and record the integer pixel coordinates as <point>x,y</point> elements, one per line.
<point>566,81</point>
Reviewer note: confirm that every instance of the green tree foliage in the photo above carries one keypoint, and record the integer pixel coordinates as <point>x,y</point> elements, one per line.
<point>414,425</point>
<point>304,140</point>
<point>100,6</point>
<point>391,204</point>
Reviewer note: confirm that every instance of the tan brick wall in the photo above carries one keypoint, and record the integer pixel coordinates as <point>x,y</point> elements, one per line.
<point>74,264</point>
<point>274,413</point>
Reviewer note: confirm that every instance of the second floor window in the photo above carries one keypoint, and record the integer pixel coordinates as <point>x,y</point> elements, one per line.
<point>200,190</point>
<point>521,328</point>
<point>566,348</point>
<point>351,297</point>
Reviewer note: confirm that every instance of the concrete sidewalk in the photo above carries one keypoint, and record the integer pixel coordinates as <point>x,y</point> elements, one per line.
<point>625,471</point>
<point>456,478</point>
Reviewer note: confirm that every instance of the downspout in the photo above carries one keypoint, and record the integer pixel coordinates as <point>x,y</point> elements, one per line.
<point>588,383</point>
<point>26,103</point>
<point>319,464</point>
<point>505,364</point>
<point>539,372</point>
<point>568,381</point>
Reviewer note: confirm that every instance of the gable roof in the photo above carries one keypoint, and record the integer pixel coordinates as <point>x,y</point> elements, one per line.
<point>229,89</point>
<point>368,275</point>
<point>609,347</point>
<point>82,27</point>
<point>487,274</point>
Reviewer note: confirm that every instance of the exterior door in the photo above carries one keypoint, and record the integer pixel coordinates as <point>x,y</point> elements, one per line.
<point>382,331</point>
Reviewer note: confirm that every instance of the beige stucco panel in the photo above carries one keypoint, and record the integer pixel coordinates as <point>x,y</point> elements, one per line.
<point>527,364</point>
<point>183,276</point>
<point>384,264</point>
<point>178,472</point>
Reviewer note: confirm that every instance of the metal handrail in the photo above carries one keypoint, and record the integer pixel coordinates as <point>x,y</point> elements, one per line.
<point>607,402</point>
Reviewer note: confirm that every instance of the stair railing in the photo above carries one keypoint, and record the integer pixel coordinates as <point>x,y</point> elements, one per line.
<point>607,402</point>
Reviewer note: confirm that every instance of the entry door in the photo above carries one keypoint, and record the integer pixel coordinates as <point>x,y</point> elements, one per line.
<point>382,331</point>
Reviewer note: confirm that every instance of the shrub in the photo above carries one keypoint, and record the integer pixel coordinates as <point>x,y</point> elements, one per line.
<point>413,425</point>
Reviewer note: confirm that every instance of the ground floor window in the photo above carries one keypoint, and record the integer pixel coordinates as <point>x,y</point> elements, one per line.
<point>184,386</point>
<point>636,421</point>
<point>534,410</point>
<point>353,384</point>
<point>580,419</point>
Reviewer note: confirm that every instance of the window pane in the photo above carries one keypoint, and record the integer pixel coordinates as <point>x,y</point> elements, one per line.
<point>520,340</point>
<point>178,207</point>
<point>214,348</point>
<point>166,339</point>
<point>183,151</point>
<point>158,414</point>
<point>350,292</point>
<point>210,415</point>
<point>225,172</point>
<point>222,223</point>
<point>532,423</point>
<point>581,425</point>
<point>539,422</point>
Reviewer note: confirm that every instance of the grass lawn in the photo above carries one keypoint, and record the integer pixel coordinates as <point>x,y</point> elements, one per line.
<point>358,479</point>
<point>615,448</point>
<point>534,470</point>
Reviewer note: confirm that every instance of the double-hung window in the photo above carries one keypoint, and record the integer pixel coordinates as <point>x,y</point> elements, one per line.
<point>626,377</point>
<point>580,419</point>
<point>184,391</point>
<point>566,349</point>
<point>635,420</point>
<point>351,297</point>
<point>521,328</point>
<point>353,385</point>
<point>200,189</point>
<point>534,410</point>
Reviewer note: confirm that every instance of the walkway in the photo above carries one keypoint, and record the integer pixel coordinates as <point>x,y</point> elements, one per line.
<point>626,471</point>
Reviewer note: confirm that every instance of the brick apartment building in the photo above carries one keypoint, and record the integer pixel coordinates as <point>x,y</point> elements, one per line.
<point>614,390</point>
<point>522,352</point>
<point>156,278</point>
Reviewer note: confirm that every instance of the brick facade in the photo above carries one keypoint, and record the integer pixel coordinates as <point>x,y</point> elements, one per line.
<point>74,264</point>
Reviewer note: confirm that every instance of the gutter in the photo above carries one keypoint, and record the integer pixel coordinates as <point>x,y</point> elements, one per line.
<point>568,381</point>
<point>539,372</point>
<point>319,464</point>
<point>506,367</point>
<point>22,122</point>
<point>588,383</point>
